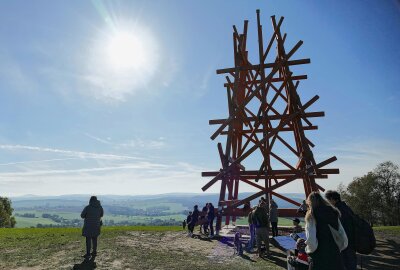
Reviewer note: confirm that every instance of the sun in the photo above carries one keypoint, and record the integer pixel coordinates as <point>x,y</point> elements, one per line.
<point>128,50</point>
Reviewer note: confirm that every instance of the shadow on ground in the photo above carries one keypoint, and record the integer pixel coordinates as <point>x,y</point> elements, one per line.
<point>277,256</point>
<point>386,256</point>
<point>86,264</point>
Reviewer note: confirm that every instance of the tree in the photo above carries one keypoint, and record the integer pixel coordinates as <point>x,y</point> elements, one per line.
<point>376,195</point>
<point>6,218</point>
<point>388,180</point>
<point>362,196</point>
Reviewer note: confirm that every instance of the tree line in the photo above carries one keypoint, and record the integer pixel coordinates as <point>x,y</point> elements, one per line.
<point>376,195</point>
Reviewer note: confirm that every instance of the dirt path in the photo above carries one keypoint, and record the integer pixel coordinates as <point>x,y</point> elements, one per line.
<point>173,250</point>
<point>386,255</point>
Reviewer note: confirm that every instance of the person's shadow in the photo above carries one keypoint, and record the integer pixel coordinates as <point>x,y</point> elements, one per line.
<point>86,264</point>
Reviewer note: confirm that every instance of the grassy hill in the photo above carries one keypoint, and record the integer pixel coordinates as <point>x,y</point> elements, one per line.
<point>154,248</point>
<point>119,248</point>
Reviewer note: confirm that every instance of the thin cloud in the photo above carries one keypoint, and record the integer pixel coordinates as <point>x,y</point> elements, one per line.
<point>77,154</point>
<point>138,166</point>
<point>37,161</point>
<point>133,143</point>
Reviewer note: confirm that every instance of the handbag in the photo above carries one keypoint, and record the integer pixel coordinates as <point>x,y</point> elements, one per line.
<point>339,236</point>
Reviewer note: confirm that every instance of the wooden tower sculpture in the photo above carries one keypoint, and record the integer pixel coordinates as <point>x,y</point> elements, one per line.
<point>265,128</point>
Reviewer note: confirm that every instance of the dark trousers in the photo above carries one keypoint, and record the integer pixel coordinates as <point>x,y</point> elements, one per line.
<point>210,224</point>
<point>205,227</point>
<point>349,259</point>
<point>274,226</point>
<point>191,226</point>
<point>89,241</point>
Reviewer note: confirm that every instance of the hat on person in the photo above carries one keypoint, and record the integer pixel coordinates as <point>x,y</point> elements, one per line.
<point>296,220</point>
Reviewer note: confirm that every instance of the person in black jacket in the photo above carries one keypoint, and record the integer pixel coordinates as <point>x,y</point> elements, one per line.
<point>321,246</point>
<point>194,219</point>
<point>92,215</point>
<point>349,254</point>
<point>188,219</point>
<point>210,218</point>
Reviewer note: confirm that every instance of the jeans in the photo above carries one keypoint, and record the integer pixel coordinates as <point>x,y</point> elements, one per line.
<point>349,259</point>
<point>274,226</point>
<point>89,241</point>
<point>210,224</point>
<point>250,244</point>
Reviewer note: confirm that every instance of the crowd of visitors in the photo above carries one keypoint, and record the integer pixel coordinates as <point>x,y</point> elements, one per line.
<point>205,219</point>
<point>329,230</point>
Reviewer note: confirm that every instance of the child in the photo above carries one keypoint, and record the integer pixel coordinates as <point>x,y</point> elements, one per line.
<point>184,224</point>
<point>238,244</point>
<point>296,226</point>
<point>300,260</point>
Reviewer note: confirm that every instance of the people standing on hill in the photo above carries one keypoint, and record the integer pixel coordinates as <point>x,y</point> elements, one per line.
<point>92,215</point>
<point>349,256</point>
<point>252,232</point>
<point>296,226</point>
<point>303,208</point>
<point>210,218</point>
<point>273,217</point>
<point>204,219</point>
<point>194,219</point>
<point>188,219</point>
<point>260,221</point>
<point>321,220</point>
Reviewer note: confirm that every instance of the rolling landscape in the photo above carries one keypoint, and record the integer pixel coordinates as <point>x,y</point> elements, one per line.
<point>279,119</point>
<point>154,210</point>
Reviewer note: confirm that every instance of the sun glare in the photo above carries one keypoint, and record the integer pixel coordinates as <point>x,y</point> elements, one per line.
<point>122,61</point>
<point>126,50</point>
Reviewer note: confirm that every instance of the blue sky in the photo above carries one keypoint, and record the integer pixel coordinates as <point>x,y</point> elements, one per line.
<point>70,122</point>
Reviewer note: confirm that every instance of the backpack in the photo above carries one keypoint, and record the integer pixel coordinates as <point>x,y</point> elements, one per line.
<point>364,238</point>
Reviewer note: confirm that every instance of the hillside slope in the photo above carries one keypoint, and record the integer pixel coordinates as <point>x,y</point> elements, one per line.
<point>153,248</point>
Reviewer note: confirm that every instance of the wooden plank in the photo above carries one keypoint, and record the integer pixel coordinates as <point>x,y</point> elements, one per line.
<point>246,131</point>
<point>258,194</point>
<point>326,162</point>
<point>268,118</point>
<point>266,65</point>
<point>273,193</point>
<point>299,77</point>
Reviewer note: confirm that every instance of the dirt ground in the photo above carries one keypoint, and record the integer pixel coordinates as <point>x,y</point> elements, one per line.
<point>174,250</point>
<point>134,249</point>
<point>386,255</point>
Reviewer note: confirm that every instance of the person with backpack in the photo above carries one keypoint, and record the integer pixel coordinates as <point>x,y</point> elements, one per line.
<point>349,256</point>
<point>260,221</point>
<point>325,235</point>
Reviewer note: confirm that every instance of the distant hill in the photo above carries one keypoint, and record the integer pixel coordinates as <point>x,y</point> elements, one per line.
<point>186,199</point>
<point>160,209</point>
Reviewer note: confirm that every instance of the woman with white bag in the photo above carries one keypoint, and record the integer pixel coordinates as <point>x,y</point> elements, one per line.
<point>326,237</point>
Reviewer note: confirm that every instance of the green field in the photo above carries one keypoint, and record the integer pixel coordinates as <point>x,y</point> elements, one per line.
<point>24,222</point>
